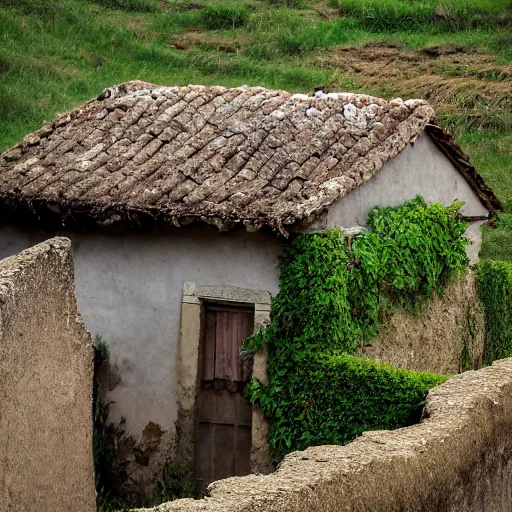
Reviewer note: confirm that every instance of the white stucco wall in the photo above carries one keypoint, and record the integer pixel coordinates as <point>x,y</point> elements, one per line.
<point>418,170</point>
<point>129,290</point>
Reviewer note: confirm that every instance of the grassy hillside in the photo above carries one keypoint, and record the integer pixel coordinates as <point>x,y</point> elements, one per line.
<point>55,54</point>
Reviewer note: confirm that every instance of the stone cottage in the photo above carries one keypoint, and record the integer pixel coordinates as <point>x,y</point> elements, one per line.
<point>177,201</point>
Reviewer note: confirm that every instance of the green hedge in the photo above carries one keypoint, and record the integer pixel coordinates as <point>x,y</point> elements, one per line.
<point>337,398</point>
<point>333,292</point>
<point>494,287</point>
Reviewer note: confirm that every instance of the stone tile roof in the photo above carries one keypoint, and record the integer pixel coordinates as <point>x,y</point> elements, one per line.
<point>244,156</point>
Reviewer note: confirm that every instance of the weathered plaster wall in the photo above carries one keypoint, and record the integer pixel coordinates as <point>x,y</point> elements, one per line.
<point>458,459</point>
<point>433,340</point>
<point>129,291</point>
<point>46,361</point>
<point>420,169</point>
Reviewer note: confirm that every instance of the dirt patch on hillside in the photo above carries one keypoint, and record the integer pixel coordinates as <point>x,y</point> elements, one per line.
<point>458,81</point>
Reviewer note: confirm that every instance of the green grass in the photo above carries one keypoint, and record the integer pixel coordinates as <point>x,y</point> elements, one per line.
<point>497,244</point>
<point>224,17</point>
<point>448,15</point>
<point>52,63</point>
<point>491,153</point>
<point>56,54</point>
<point>497,240</point>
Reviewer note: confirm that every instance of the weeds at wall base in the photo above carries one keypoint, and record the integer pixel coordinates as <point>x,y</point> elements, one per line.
<point>176,479</point>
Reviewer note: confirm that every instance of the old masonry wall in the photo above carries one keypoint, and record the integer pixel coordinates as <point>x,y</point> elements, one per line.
<point>458,459</point>
<point>46,372</point>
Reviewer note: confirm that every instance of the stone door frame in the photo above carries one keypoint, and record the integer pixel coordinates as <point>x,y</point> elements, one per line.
<point>188,359</point>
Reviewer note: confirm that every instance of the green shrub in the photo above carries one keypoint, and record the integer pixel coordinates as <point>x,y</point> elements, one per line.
<point>418,247</point>
<point>224,16</point>
<point>333,292</point>
<point>494,287</point>
<point>313,308</point>
<point>336,398</point>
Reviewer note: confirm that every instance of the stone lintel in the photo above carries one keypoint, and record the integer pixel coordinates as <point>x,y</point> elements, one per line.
<point>226,293</point>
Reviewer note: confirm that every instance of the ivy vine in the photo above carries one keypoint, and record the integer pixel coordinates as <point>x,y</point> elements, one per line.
<point>334,291</point>
<point>494,287</point>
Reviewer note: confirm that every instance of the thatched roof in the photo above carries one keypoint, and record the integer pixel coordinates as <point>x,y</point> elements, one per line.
<point>244,156</point>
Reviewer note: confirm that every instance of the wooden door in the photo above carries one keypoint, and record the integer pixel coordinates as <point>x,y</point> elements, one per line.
<point>223,445</point>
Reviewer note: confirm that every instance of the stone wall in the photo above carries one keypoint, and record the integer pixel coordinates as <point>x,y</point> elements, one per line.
<point>434,339</point>
<point>46,371</point>
<point>458,459</point>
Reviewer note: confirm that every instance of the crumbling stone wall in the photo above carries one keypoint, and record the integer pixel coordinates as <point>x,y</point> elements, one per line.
<point>445,336</point>
<point>46,371</point>
<point>458,459</point>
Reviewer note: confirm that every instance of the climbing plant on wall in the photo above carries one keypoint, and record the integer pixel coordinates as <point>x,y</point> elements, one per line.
<point>333,293</point>
<point>494,287</point>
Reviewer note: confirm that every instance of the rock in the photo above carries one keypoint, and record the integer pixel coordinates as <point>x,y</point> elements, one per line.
<point>31,140</point>
<point>13,154</point>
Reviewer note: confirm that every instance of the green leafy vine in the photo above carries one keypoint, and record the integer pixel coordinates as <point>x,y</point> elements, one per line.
<point>494,287</point>
<point>333,294</point>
